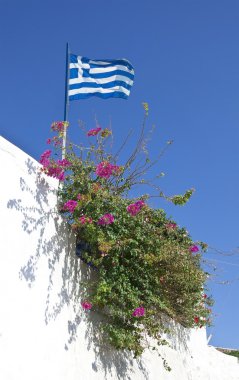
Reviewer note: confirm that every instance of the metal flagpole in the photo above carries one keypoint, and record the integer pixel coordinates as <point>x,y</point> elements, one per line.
<point>66,107</point>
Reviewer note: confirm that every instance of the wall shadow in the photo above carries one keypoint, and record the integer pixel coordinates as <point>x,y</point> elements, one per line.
<point>107,359</point>
<point>36,218</point>
<point>178,336</point>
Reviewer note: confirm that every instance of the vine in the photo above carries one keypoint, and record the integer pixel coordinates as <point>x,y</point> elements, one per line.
<point>146,266</point>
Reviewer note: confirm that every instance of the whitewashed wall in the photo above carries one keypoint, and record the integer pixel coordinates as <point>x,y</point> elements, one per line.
<point>44,334</point>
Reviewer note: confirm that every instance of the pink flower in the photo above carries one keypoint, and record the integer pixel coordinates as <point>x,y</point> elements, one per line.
<point>70,205</point>
<point>61,177</point>
<point>48,141</point>
<point>44,159</point>
<point>59,126</point>
<point>55,172</point>
<point>204,296</point>
<point>196,319</point>
<point>50,167</point>
<point>116,169</point>
<point>93,132</point>
<point>139,312</point>
<point>104,169</point>
<point>171,226</point>
<point>84,219</point>
<point>140,204</point>
<point>86,305</point>
<point>56,141</point>
<point>78,196</point>
<point>64,163</point>
<point>106,219</point>
<point>193,248</point>
<point>134,208</point>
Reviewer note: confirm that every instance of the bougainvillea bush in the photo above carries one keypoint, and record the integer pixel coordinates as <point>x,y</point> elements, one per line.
<point>146,266</point>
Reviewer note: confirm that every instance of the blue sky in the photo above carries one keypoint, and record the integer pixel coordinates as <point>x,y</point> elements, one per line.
<point>186,59</point>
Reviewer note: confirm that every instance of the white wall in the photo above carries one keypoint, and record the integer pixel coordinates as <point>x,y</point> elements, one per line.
<point>44,334</point>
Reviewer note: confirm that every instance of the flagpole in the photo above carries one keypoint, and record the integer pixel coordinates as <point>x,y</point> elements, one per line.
<point>66,105</point>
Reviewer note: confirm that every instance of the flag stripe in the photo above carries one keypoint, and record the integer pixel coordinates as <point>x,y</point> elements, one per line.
<point>115,94</point>
<point>100,90</point>
<point>113,62</point>
<point>100,62</point>
<point>97,70</point>
<point>100,69</point>
<point>101,85</point>
<point>87,73</point>
<point>100,80</point>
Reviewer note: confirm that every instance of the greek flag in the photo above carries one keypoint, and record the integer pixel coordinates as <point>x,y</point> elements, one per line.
<point>104,78</point>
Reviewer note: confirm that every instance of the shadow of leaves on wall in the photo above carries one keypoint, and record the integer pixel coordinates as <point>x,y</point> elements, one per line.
<point>66,290</point>
<point>107,359</point>
<point>54,241</point>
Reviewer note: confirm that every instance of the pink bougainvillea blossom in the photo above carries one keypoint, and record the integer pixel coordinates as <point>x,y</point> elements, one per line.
<point>44,159</point>
<point>78,196</point>
<point>50,167</point>
<point>84,219</point>
<point>171,226</point>
<point>134,208</point>
<point>194,248</point>
<point>86,305</point>
<point>64,163</point>
<point>57,141</point>
<point>94,132</point>
<point>70,205</point>
<point>48,141</point>
<point>204,296</point>
<point>55,172</point>
<point>59,126</point>
<point>106,219</point>
<point>139,312</point>
<point>105,169</point>
<point>116,169</point>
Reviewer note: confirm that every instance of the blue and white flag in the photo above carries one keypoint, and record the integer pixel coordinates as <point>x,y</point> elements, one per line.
<point>104,78</point>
